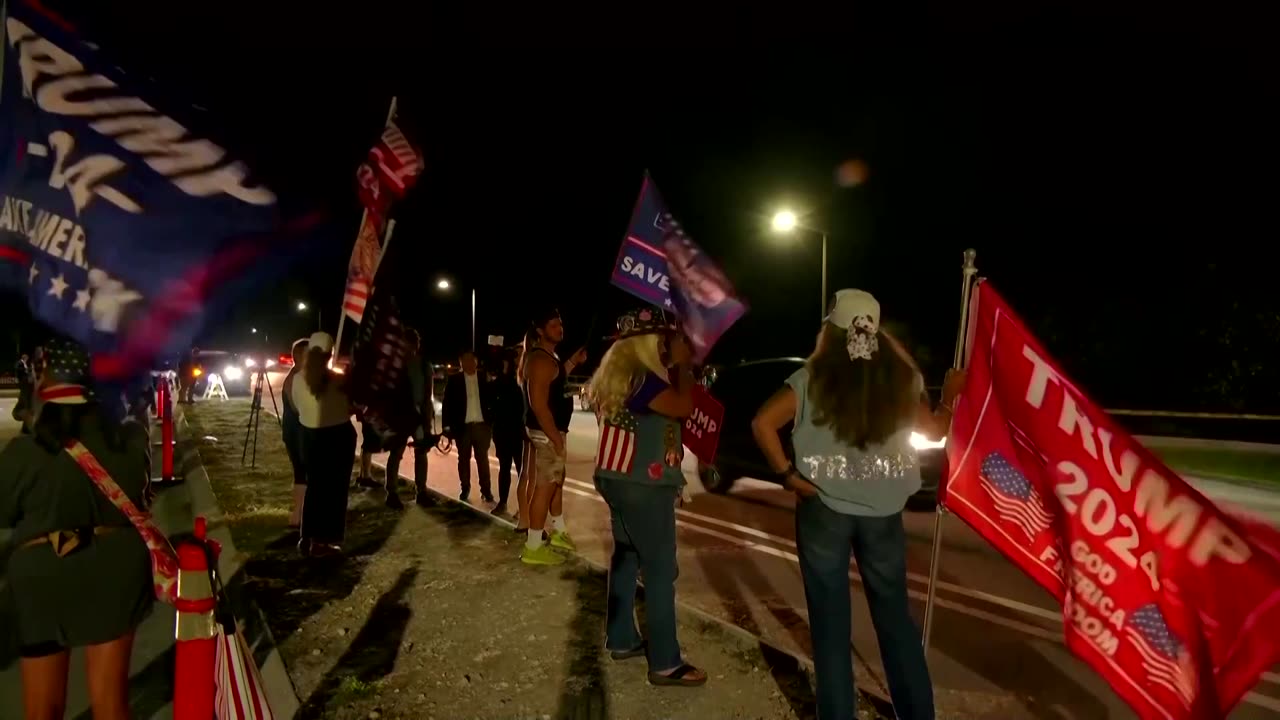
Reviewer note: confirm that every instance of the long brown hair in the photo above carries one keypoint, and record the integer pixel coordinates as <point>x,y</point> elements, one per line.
<point>315,373</point>
<point>864,402</point>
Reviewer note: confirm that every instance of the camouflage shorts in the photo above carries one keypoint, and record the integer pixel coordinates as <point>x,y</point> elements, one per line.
<point>541,461</point>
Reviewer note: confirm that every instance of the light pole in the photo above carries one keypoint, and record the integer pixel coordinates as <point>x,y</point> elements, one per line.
<point>444,285</point>
<point>786,222</point>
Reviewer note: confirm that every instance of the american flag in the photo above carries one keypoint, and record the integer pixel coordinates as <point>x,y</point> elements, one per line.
<point>1014,496</point>
<point>364,262</point>
<point>396,160</point>
<point>617,449</point>
<point>375,198</point>
<point>1164,658</point>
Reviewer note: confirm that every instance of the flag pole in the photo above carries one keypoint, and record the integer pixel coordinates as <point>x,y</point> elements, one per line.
<point>969,270</point>
<point>342,312</point>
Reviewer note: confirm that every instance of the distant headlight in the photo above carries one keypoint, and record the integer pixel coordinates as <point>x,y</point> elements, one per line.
<point>920,442</point>
<point>248,362</point>
<point>271,363</point>
<point>233,373</point>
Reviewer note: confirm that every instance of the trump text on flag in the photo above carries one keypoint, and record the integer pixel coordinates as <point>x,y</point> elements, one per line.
<point>1159,587</point>
<point>702,428</point>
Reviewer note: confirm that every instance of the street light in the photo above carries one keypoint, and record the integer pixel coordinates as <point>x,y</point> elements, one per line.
<point>303,307</point>
<point>253,330</point>
<point>444,285</point>
<point>786,221</point>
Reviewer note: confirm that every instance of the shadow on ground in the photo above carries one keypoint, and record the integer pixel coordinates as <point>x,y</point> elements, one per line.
<point>372,654</point>
<point>585,695</point>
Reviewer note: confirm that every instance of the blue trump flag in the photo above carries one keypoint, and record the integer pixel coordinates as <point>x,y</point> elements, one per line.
<point>125,229</point>
<point>661,265</point>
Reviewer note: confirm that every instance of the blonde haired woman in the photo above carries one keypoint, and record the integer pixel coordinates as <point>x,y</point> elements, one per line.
<point>642,391</point>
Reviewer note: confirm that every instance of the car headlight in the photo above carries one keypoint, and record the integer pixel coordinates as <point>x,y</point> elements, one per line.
<point>920,442</point>
<point>271,363</point>
<point>248,362</point>
<point>233,373</point>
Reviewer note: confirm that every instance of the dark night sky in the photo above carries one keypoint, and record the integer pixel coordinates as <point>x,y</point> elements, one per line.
<point>1114,168</point>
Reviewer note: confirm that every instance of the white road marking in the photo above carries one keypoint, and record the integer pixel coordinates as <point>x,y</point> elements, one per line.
<point>575,486</point>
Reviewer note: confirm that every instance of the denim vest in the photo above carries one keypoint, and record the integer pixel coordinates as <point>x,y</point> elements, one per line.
<point>875,482</point>
<point>640,446</point>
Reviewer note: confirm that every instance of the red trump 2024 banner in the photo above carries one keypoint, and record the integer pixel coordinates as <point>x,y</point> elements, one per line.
<point>1173,601</point>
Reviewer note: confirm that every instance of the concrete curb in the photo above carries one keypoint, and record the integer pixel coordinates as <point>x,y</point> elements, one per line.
<point>275,676</point>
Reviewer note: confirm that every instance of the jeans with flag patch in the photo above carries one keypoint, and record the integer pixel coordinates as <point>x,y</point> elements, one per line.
<point>644,541</point>
<point>824,539</point>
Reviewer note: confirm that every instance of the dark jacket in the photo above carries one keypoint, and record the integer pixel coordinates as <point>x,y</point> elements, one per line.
<point>508,408</point>
<point>454,410</point>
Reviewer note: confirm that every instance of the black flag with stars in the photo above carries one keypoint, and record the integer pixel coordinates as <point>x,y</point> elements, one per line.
<point>379,387</point>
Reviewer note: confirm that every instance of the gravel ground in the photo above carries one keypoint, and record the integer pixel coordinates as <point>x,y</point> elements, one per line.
<point>431,615</point>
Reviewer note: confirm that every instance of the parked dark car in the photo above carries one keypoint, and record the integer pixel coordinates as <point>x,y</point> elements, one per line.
<point>743,389</point>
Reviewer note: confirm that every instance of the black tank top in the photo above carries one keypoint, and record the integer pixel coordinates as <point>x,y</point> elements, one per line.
<point>558,400</point>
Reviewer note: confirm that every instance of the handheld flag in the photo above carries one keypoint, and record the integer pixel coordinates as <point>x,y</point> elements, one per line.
<point>124,227</point>
<point>1162,593</point>
<point>660,264</point>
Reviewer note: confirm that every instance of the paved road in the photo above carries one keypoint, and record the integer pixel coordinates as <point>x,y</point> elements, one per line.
<point>997,649</point>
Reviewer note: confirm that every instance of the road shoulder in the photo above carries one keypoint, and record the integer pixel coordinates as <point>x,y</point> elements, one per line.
<point>431,614</point>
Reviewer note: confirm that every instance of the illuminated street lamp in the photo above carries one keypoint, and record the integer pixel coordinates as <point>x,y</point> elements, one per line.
<point>444,285</point>
<point>786,222</point>
<point>302,307</point>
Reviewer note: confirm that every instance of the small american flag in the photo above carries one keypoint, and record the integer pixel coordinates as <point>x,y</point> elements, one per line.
<point>364,262</point>
<point>617,450</point>
<point>1164,658</point>
<point>1014,496</point>
<point>396,160</point>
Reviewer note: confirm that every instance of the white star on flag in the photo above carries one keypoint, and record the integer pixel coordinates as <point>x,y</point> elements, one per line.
<point>82,300</point>
<point>667,302</point>
<point>57,286</point>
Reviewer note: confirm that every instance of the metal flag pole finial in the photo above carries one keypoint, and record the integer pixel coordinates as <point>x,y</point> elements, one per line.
<point>969,271</point>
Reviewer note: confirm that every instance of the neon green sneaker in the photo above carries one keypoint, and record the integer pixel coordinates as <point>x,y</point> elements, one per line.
<point>544,555</point>
<point>560,539</point>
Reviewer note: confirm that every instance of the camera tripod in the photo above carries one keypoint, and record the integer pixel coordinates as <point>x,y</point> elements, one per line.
<point>255,415</point>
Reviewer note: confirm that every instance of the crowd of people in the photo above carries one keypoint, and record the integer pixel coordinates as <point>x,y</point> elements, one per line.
<point>852,408</point>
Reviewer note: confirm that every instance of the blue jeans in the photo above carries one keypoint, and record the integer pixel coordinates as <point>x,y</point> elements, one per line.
<point>824,538</point>
<point>644,540</point>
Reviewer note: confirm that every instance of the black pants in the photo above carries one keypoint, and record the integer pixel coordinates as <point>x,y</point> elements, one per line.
<point>292,432</point>
<point>474,439</point>
<point>327,456</point>
<point>396,449</point>
<point>508,444</point>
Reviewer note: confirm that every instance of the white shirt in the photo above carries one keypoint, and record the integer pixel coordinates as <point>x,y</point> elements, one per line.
<point>474,412</point>
<point>329,409</point>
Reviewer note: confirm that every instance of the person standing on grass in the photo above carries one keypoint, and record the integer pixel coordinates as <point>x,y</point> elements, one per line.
<point>550,408</point>
<point>642,392</point>
<point>80,574</point>
<point>292,431</point>
<point>854,406</point>
<point>328,449</point>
